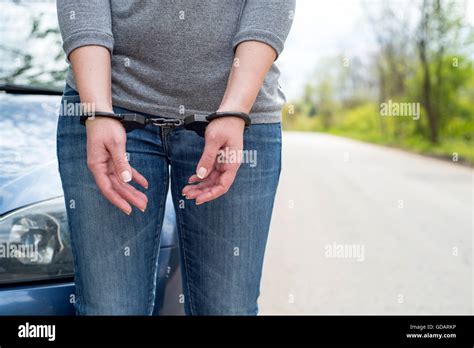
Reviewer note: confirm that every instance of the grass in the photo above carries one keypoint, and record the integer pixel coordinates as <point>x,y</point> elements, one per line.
<point>447,148</point>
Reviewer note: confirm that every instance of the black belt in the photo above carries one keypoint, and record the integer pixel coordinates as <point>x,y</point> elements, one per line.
<point>196,122</point>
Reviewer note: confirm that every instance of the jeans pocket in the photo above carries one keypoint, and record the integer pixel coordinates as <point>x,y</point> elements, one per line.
<point>69,112</point>
<point>69,101</point>
<point>69,91</point>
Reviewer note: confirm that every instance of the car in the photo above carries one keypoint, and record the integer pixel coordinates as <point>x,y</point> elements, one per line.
<point>36,264</point>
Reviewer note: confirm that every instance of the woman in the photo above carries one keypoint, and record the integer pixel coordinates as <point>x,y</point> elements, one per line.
<point>171,59</point>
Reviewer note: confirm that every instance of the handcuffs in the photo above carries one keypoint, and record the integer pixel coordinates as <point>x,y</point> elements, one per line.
<point>195,122</point>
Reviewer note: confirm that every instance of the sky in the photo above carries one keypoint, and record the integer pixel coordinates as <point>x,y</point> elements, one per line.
<point>320,29</point>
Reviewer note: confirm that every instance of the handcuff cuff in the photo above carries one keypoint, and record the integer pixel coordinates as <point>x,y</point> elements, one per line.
<point>195,122</point>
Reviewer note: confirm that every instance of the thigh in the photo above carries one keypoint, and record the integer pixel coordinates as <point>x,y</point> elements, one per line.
<point>115,255</point>
<point>223,241</point>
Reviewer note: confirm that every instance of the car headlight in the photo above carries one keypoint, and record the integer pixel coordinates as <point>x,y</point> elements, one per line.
<point>34,242</point>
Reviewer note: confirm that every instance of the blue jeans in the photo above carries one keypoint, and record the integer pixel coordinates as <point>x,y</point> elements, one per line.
<point>222,242</point>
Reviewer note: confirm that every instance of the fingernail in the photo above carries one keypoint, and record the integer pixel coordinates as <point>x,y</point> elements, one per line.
<point>199,203</point>
<point>128,212</point>
<point>143,210</point>
<point>126,176</point>
<point>201,173</point>
<point>184,194</point>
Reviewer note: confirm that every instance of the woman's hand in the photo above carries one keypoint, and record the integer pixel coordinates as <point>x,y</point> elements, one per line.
<point>106,159</point>
<point>252,61</point>
<point>215,174</point>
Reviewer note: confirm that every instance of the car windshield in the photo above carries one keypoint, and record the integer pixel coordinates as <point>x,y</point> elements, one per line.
<point>30,45</point>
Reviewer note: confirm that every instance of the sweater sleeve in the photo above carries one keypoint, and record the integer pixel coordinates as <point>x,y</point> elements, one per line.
<point>267,21</point>
<point>84,23</point>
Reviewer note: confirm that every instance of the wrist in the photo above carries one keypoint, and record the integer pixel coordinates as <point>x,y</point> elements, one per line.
<point>228,122</point>
<point>232,115</point>
<point>102,108</point>
<point>233,107</point>
<point>89,107</point>
<point>98,120</point>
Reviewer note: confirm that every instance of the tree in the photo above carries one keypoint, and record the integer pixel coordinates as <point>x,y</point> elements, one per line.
<point>438,31</point>
<point>21,63</point>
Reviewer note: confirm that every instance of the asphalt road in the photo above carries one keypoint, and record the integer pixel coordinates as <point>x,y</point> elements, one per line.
<point>364,229</point>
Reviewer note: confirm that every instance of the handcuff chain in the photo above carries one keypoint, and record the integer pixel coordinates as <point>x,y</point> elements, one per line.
<point>166,122</point>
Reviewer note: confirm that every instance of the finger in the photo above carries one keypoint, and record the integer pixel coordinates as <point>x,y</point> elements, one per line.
<point>225,181</point>
<point>119,158</point>
<point>194,178</point>
<point>105,186</point>
<point>208,158</point>
<point>197,192</point>
<point>139,179</point>
<point>129,193</point>
<point>207,182</point>
<point>210,194</point>
<point>192,191</point>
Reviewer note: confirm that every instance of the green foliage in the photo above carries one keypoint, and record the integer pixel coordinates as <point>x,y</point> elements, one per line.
<point>365,122</point>
<point>426,64</point>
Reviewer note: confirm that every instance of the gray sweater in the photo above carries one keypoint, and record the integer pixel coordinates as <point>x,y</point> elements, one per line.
<point>173,57</point>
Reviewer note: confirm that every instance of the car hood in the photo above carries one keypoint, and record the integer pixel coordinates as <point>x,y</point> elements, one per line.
<point>28,170</point>
<point>28,166</point>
